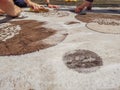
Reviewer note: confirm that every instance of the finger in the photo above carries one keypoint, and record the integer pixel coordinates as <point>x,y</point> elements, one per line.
<point>50,6</point>
<point>42,7</point>
<point>36,8</point>
<point>54,6</point>
<point>76,10</point>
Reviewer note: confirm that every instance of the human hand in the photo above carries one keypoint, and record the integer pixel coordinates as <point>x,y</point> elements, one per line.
<point>78,9</point>
<point>35,6</point>
<point>52,6</point>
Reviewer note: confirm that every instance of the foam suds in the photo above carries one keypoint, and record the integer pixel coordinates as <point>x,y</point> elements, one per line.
<point>8,30</point>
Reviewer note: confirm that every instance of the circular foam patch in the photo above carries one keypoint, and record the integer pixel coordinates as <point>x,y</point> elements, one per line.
<point>104,23</point>
<point>21,37</point>
<point>105,26</point>
<point>82,61</point>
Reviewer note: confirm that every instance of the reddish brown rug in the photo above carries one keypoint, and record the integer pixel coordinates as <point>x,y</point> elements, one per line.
<point>20,37</point>
<point>89,17</point>
<point>104,23</point>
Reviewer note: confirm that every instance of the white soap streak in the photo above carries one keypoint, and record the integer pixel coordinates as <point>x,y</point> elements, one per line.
<point>8,31</point>
<point>103,21</point>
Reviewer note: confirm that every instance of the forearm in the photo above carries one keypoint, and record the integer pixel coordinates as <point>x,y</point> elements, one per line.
<point>27,1</point>
<point>50,5</point>
<point>47,1</point>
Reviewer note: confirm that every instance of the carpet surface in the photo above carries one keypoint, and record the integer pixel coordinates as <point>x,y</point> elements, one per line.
<point>56,51</point>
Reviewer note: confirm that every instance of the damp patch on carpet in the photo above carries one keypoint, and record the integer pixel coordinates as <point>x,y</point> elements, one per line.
<point>26,36</point>
<point>104,23</point>
<point>82,61</point>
